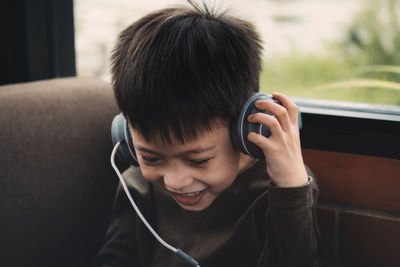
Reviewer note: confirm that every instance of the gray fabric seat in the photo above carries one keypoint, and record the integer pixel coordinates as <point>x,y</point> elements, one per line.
<point>56,182</point>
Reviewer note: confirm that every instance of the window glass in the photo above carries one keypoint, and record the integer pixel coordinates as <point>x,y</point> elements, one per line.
<point>326,49</point>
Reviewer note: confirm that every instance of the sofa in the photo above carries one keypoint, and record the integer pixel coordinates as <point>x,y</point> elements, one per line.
<point>56,182</point>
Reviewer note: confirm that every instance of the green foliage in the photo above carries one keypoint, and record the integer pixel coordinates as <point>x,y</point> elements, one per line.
<point>327,78</point>
<point>296,74</point>
<point>364,67</point>
<point>374,35</point>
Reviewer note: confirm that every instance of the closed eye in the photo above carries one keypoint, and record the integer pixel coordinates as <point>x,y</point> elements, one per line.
<point>199,163</point>
<point>150,160</point>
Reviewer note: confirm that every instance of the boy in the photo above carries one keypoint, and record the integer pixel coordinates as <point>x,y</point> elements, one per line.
<point>181,76</point>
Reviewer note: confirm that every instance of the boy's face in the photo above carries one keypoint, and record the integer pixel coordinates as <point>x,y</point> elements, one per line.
<point>194,173</point>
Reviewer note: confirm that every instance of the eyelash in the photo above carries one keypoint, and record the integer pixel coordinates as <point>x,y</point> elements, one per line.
<point>199,163</point>
<point>149,161</point>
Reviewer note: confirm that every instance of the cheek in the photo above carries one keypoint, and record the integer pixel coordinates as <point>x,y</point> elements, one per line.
<point>150,174</point>
<point>224,178</point>
<point>224,172</point>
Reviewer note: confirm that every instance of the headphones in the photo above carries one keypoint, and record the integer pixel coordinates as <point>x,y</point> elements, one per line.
<point>121,132</point>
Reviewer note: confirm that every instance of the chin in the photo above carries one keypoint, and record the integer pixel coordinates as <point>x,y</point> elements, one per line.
<point>203,204</point>
<point>194,207</point>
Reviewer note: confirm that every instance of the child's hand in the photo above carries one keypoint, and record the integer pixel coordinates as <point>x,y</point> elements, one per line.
<point>282,149</point>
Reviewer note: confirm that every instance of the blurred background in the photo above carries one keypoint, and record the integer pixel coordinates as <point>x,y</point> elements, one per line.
<point>325,49</point>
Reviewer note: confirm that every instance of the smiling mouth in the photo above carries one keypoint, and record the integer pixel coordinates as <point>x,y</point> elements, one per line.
<point>189,198</point>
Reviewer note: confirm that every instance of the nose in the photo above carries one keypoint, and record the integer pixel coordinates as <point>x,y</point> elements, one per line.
<point>177,178</point>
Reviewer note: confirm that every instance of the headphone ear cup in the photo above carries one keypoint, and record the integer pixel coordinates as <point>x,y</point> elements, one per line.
<point>242,127</point>
<point>120,132</point>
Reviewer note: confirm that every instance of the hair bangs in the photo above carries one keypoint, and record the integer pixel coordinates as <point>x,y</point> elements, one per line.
<point>171,117</point>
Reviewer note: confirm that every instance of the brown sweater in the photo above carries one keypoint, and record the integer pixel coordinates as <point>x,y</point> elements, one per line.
<point>252,223</point>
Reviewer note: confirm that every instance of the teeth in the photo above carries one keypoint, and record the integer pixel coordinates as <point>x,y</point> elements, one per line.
<point>190,194</point>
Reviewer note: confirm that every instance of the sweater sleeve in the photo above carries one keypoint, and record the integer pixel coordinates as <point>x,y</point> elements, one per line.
<point>292,236</point>
<point>118,248</point>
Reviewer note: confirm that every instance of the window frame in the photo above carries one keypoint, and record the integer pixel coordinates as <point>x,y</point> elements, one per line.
<point>357,128</point>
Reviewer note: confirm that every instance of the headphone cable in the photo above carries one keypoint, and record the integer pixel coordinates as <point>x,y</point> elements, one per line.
<point>177,251</point>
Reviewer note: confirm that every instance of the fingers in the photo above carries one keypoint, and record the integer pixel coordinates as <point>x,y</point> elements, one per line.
<point>259,140</point>
<point>290,107</point>
<point>278,111</point>
<point>282,123</point>
<point>270,121</point>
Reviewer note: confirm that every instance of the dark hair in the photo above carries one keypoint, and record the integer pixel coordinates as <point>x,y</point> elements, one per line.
<point>177,69</point>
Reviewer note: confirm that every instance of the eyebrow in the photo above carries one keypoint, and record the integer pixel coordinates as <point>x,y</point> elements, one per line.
<point>190,151</point>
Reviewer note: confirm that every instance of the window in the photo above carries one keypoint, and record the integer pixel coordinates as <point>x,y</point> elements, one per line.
<point>324,49</point>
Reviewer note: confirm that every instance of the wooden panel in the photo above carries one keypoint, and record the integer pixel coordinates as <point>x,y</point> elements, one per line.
<point>370,241</point>
<point>363,181</point>
<point>327,228</point>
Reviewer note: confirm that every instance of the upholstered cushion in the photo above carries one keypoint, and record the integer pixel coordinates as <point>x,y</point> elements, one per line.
<point>56,182</point>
